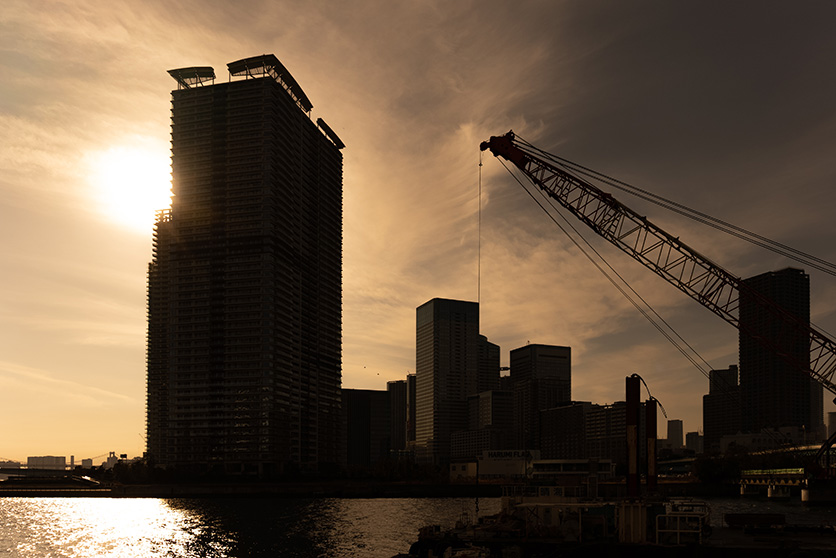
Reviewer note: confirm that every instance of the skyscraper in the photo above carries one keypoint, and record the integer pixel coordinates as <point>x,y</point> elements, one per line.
<point>675,438</point>
<point>720,407</point>
<point>366,417</point>
<point>774,393</point>
<point>542,378</point>
<point>446,370</point>
<point>397,412</point>
<point>245,284</point>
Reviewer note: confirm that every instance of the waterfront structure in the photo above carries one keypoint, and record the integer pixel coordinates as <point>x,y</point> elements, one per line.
<point>720,407</point>
<point>397,413</point>
<point>245,285</point>
<point>541,376</point>
<point>774,393</point>
<point>51,462</point>
<point>446,370</point>
<point>366,417</point>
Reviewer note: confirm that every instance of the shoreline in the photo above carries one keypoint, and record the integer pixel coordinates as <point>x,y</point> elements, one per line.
<point>324,489</point>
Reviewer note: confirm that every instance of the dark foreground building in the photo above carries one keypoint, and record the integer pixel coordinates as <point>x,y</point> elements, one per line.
<point>245,284</point>
<point>773,393</point>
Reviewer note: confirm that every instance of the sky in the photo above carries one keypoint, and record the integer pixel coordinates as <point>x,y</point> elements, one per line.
<point>725,107</point>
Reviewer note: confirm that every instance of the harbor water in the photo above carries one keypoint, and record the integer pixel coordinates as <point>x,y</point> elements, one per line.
<point>261,527</point>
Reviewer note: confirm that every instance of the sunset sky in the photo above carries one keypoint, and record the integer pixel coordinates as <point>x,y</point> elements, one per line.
<point>729,108</point>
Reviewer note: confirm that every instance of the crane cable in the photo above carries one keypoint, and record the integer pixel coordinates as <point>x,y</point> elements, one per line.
<point>725,388</point>
<point>479,241</point>
<point>607,275</point>
<point>698,216</point>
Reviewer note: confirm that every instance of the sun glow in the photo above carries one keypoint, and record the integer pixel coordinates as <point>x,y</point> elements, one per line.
<point>131,183</point>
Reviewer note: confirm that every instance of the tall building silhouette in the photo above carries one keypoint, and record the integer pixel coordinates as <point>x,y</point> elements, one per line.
<point>397,412</point>
<point>542,378</point>
<point>675,436</point>
<point>446,372</point>
<point>774,393</point>
<point>720,407</point>
<point>245,284</point>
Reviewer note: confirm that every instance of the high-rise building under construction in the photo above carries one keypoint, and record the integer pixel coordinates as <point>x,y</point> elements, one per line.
<point>245,284</point>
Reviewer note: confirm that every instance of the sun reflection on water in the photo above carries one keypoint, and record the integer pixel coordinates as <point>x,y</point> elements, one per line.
<point>86,527</point>
<point>220,528</point>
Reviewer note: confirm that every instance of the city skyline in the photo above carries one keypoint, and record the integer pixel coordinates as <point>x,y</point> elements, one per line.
<point>731,115</point>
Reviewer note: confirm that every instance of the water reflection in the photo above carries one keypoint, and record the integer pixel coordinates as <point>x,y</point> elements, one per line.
<point>220,528</point>
<point>76,527</point>
<point>216,528</point>
<point>305,528</point>
<point>237,528</point>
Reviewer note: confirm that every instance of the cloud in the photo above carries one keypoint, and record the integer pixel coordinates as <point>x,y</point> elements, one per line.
<point>43,383</point>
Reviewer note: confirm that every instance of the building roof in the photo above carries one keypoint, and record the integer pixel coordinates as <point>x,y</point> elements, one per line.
<point>268,64</point>
<point>196,75</point>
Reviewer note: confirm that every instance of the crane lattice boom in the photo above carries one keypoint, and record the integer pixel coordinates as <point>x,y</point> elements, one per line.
<point>688,270</point>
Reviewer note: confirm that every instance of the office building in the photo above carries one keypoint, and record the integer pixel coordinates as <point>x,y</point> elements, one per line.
<point>366,418</point>
<point>675,439</point>
<point>410,410</point>
<point>606,432</point>
<point>773,392</point>
<point>694,441</point>
<point>397,413</point>
<point>245,285</point>
<point>720,408</point>
<point>541,376</point>
<point>564,431</point>
<point>446,370</point>
<point>488,378</point>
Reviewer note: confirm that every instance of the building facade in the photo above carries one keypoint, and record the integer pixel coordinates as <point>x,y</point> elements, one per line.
<point>773,392</point>
<point>541,376</point>
<point>367,420</point>
<point>245,284</point>
<point>720,407</point>
<point>397,413</point>
<point>446,372</point>
<point>675,434</point>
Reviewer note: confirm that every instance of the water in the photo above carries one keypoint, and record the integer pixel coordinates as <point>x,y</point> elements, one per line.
<point>238,528</point>
<point>180,528</point>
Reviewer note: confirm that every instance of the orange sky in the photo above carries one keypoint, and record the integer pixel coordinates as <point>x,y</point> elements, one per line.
<point>728,109</point>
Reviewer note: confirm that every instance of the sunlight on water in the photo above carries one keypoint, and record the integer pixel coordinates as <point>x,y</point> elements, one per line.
<point>79,527</point>
<point>220,528</point>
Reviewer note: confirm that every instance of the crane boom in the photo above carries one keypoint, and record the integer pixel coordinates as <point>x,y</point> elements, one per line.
<point>682,266</point>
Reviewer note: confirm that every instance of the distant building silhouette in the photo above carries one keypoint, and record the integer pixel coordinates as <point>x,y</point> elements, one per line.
<point>720,407</point>
<point>245,286</point>
<point>675,438</point>
<point>774,393</point>
<point>563,431</point>
<point>397,412</point>
<point>489,425</point>
<point>411,404</point>
<point>446,370</point>
<point>694,441</point>
<point>488,378</point>
<point>583,430</point>
<point>541,376</point>
<point>367,425</point>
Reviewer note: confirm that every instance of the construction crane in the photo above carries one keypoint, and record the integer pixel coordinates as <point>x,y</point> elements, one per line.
<point>706,282</point>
